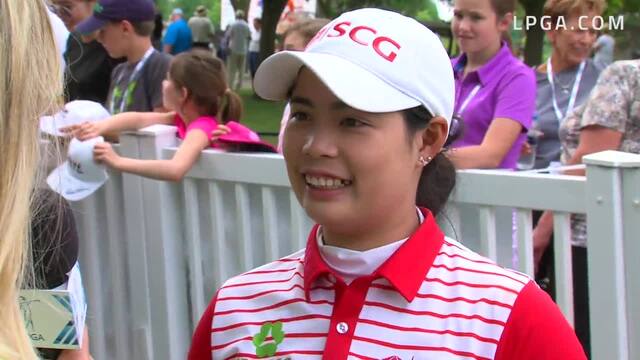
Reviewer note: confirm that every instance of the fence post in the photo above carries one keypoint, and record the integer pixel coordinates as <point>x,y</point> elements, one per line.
<point>167,277</point>
<point>631,230</point>
<point>613,225</point>
<point>136,255</point>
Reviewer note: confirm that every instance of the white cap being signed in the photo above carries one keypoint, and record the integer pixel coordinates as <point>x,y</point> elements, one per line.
<point>79,176</point>
<point>73,113</point>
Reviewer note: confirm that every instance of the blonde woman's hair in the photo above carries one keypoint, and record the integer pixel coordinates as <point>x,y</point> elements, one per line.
<point>566,8</point>
<point>29,86</point>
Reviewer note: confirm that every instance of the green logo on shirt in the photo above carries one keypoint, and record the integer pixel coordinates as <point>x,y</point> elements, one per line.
<point>268,349</point>
<point>98,8</point>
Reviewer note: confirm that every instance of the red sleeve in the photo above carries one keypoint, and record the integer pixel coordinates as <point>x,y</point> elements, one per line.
<point>201,341</point>
<point>536,329</point>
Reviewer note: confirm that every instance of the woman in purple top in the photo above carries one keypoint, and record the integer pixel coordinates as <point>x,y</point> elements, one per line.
<point>495,92</point>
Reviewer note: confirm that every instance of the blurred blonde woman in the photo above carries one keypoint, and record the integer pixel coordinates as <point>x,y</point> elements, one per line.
<point>29,83</point>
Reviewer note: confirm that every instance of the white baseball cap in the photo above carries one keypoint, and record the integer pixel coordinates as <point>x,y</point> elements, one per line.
<point>73,113</point>
<point>373,60</point>
<point>79,176</point>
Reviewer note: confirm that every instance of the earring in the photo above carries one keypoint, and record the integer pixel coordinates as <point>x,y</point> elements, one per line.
<point>423,161</point>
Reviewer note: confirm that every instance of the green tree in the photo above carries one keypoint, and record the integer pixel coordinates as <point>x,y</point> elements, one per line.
<point>271,11</point>
<point>429,12</point>
<point>333,8</point>
<point>535,35</point>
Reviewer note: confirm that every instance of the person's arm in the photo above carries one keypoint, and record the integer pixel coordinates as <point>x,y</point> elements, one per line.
<point>497,142</point>
<point>536,329</point>
<point>212,32</point>
<point>118,123</point>
<point>170,38</point>
<point>170,170</point>
<point>593,139</point>
<point>201,340</point>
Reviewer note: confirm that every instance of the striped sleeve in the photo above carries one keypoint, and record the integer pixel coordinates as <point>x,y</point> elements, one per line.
<point>201,341</point>
<point>536,329</point>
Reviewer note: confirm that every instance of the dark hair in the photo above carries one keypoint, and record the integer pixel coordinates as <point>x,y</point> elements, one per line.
<point>144,28</point>
<point>158,25</point>
<point>204,77</point>
<point>439,176</point>
<point>141,28</point>
<point>501,8</point>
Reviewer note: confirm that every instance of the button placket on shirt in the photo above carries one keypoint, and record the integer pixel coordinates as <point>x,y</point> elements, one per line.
<point>348,304</point>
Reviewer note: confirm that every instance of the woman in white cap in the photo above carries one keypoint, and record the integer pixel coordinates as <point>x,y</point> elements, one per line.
<point>371,100</point>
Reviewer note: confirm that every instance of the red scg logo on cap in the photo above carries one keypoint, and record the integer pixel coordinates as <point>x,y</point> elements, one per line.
<point>358,34</point>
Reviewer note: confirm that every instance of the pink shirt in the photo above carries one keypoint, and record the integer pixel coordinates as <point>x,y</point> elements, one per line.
<point>204,123</point>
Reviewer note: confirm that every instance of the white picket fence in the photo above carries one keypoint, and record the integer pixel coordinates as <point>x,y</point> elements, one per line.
<point>153,253</point>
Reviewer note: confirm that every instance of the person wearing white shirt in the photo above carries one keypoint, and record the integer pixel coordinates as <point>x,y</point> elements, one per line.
<point>254,47</point>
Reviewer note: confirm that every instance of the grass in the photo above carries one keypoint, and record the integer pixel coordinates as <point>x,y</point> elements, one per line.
<point>260,115</point>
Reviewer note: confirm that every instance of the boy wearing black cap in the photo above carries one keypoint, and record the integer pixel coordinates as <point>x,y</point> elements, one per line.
<point>124,29</point>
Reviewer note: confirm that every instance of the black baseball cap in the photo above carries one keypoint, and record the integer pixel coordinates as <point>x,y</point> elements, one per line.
<point>117,10</point>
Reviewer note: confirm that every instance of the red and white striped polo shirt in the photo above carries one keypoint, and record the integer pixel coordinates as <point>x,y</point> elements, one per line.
<point>432,299</point>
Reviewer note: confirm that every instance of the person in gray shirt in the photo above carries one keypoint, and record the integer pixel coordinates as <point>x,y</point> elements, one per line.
<point>566,78</point>
<point>603,50</point>
<point>239,35</point>
<point>124,28</point>
<point>201,28</point>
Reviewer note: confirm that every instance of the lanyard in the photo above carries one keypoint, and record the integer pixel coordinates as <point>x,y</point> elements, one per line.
<point>466,101</point>
<point>118,94</point>
<point>574,91</point>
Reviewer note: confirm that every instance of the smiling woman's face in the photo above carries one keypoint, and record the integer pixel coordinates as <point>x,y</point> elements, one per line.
<point>351,170</point>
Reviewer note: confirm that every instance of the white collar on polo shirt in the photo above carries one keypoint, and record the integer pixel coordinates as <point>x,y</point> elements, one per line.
<point>352,264</point>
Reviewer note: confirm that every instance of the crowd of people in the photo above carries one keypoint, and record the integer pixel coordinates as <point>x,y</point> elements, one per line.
<point>371,87</point>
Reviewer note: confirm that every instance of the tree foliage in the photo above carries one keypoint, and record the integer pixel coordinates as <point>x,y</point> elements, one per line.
<point>332,8</point>
<point>271,11</point>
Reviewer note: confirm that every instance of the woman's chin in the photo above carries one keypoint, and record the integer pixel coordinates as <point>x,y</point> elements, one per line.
<point>328,214</point>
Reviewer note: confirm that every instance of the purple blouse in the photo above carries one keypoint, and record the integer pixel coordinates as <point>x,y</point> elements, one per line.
<point>507,90</point>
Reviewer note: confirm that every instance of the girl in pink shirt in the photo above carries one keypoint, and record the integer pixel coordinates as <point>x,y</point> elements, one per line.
<point>197,95</point>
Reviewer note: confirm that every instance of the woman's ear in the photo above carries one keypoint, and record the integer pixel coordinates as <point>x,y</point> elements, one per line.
<point>434,136</point>
<point>504,23</point>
